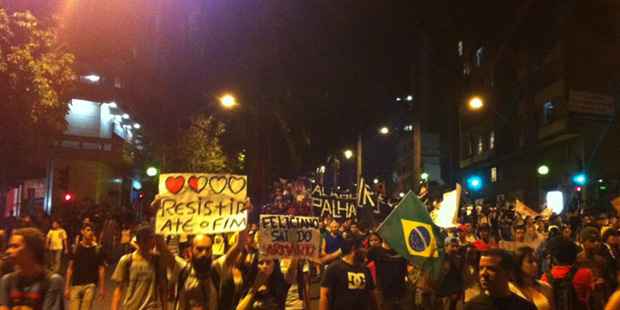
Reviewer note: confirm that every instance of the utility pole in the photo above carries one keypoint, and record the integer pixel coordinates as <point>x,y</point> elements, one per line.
<point>417,153</point>
<point>359,159</point>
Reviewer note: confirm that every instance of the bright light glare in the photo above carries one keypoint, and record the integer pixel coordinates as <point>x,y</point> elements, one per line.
<point>398,99</point>
<point>113,105</point>
<point>476,103</point>
<point>384,130</point>
<point>151,171</point>
<point>580,179</point>
<point>409,98</point>
<point>137,185</point>
<point>474,183</point>
<point>424,176</point>
<point>543,170</point>
<point>136,126</point>
<point>228,101</point>
<point>93,78</point>
<point>322,169</point>
<point>125,116</point>
<point>375,181</point>
<point>555,201</point>
<point>348,154</point>
<point>401,194</point>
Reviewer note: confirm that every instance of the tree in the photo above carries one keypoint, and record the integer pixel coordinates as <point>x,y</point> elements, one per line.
<point>199,148</point>
<point>36,76</point>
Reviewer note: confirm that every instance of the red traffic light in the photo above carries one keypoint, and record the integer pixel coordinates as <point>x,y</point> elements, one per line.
<point>68,197</point>
<point>578,188</point>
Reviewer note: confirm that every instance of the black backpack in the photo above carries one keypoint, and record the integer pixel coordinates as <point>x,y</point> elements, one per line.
<point>564,294</point>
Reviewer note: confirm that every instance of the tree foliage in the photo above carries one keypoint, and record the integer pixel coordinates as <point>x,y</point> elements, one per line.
<point>36,76</point>
<point>199,148</point>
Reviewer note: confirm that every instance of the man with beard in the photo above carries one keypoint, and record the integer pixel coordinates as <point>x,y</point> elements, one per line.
<point>347,283</point>
<point>195,286</point>
<point>496,266</point>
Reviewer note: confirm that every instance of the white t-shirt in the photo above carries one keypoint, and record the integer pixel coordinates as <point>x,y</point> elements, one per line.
<point>56,238</point>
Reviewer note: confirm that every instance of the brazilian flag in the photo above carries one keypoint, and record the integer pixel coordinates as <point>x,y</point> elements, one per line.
<point>410,231</point>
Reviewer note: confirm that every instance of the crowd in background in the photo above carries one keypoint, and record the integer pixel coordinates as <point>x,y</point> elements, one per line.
<point>495,258</point>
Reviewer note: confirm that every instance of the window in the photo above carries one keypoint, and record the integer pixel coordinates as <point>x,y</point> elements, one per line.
<point>480,143</point>
<point>460,48</point>
<point>479,56</point>
<point>118,83</point>
<point>466,69</point>
<point>548,112</point>
<point>493,174</point>
<point>492,140</point>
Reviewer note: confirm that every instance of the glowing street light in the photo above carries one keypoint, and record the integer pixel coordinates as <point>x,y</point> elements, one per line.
<point>228,101</point>
<point>580,179</point>
<point>322,169</point>
<point>543,170</point>
<point>375,181</point>
<point>401,195</point>
<point>409,98</point>
<point>474,183</point>
<point>151,171</point>
<point>125,116</point>
<point>475,103</point>
<point>424,176</point>
<point>384,130</point>
<point>93,78</point>
<point>136,126</point>
<point>348,154</point>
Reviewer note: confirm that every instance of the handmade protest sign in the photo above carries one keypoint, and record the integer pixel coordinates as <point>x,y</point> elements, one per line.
<point>201,203</point>
<point>336,205</point>
<point>289,236</point>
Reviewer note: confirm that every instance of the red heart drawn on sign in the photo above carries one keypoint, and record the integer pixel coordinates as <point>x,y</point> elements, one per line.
<point>197,184</point>
<point>175,184</point>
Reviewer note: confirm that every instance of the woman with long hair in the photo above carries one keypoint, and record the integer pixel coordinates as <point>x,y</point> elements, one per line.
<point>525,283</point>
<point>270,287</point>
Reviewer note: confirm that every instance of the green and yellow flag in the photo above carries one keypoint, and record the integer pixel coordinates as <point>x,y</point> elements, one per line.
<point>410,231</point>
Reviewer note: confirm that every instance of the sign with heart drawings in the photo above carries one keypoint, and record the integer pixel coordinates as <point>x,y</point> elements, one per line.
<point>201,203</point>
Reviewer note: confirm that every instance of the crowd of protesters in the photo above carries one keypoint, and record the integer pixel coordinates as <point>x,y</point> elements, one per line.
<point>495,259</point>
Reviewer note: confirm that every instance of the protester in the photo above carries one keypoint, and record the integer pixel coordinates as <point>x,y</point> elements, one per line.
<point>590,258</point>
<point>525,283</point>
<point>484,242</point>
<point>85,272</point>
<point>564,272</point>
<point>391,270</point>
<point>195,280</point>
<point>496,267</point>
<point>451,284</point>
<point>270,287</point>
<point>141,275</point>
<point>56,243</point>
<point>30,286</point>
<point>347,284</point>
<point>332,243</point>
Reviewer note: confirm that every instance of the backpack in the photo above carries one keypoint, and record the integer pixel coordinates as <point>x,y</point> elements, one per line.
<point>564,294</point>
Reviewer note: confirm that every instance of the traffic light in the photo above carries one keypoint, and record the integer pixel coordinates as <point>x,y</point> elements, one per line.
<point>63,179</point>
<point>69,197</point>
<point>580,179</point>
<point>474,183</point>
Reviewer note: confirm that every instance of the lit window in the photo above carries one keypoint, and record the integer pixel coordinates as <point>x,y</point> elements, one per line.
<point>466,69</point>
<point>492,140</point>
<point>479,56</point>
<point>493,174</point>
<point>91,78</point>
<point>460,48</point>
<point>480,145</point>
<point>118,83</point>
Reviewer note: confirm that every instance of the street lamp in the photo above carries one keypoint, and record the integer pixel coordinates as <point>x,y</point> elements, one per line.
<point>475,103</point>
<point>375,181</point>
<point>151,171</point>
<point>543,170</point>
<point>424,176</point>
<point>384,130</point>
<point>348,154</point>
<point>228,101</point>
